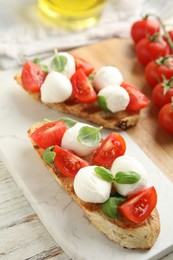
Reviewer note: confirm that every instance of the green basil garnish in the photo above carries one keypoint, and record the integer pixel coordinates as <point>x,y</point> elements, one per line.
<point>89,136</point>
<point>68,121</point>
<point>127,177</point>
<point>58,63</point>
<point>102,103</point>
<point>49,155</point>
<point>110,207</point>
<point>103,173</point>
<point>42,66</point>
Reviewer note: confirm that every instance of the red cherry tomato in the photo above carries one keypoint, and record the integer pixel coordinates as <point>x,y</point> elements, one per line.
<point>166,118</point>
<point>138,207</point>
<point>137,99</point>
<point>155,70</point>
<point>159,97</point>
<point>68,163</point>
<point>111,147</point>
<point>49,134</point>
<point>82,88</point>
<point>149,49</point>
<point>32,77</point>
<point>145,27</point>
<point>81,63</point>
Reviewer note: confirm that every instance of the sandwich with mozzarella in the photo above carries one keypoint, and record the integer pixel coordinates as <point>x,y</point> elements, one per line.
<point>71,85</point>
<point>110,187</point>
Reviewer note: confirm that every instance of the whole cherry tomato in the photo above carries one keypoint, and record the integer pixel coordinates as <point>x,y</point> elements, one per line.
<point>145,27</point>
<point>112,147</point>
<point>82,88</point>
<point>49,134</point>
<point>138,207</point>
<point>163,92</point>
<point>67,162</point>
<point>156,70</point>
<point>32,77</point>
<point>166,118</point>
<point>151,48</point>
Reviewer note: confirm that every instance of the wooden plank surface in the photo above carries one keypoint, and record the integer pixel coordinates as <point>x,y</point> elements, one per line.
<point>22,236</point>
<point>147,133</point>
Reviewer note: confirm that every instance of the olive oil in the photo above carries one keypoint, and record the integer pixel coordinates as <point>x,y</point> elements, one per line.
<point>71,14</point>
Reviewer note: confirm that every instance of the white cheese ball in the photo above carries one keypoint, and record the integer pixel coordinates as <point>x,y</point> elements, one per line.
<point>56,88</point>
<point>70,67</point>
<point>127,163</point>
<point>107,75</point>
<point>70,141</point>
<point>117,98</point>
<point>89,187</point>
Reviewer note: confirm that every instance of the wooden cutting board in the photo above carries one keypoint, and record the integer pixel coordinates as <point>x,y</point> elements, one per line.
<point>147,133</point>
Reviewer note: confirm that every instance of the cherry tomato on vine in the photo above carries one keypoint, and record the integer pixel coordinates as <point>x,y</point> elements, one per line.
<point>67,162</point>
<point>112,147</point>
<point>49,134</point>
<point>138,207</point>
<point>166,118</point>
<point>145,27</point>
<point>32,77</point>
<point>162,93</point>
<point>151,48</point>
<point>156,70</point>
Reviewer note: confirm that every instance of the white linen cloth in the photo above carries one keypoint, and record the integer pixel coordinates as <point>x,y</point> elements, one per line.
<point>24,35</point>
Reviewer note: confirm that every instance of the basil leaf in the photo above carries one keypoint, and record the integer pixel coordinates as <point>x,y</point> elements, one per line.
<point>127,177</point>
<point>49,155</point>
<point>91,78</point>
<point>68,121</point>
<point>102,103</point>
<point>42,66</point>
<point>89,136</point>
<point>110,207</point>
<point>58,63</point>
<point>103,173</point>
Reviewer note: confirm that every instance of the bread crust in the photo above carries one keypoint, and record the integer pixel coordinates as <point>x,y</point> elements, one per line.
<point>90,112</point>
<point>122,231</point>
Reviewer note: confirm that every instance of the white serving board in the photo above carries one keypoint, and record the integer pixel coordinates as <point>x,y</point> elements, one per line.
<point>59,213</point>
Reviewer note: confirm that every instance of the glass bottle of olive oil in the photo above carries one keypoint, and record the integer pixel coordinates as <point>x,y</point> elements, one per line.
<point>71,14</point>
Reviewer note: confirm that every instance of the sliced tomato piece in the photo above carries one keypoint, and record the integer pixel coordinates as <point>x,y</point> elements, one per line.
<point>82,88</point>
<point>138,207</point>
<point>32,77</point>
<point>137,99</point>
<point>112,147</point>
<point>49,134</point>
<point>86,66</point>
<point>67,162</point>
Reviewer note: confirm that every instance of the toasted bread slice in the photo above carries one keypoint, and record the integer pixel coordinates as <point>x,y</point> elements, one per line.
<point>121,231</point>
<point>91,112</point>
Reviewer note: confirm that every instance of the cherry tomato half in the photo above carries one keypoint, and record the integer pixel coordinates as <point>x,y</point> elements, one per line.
<point>151,48</point>
<point>68,163</point>
<point>143,28</point>
<point>159,97</point>
<point>112,147</point>
<point>138,207</point>
<point>81,63</point>
<point>137,99</point>
<point>166,118</point>
<point>32,77</point>
<point>49,134</point>
<point>155,70</point>
<point>82,88</point>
